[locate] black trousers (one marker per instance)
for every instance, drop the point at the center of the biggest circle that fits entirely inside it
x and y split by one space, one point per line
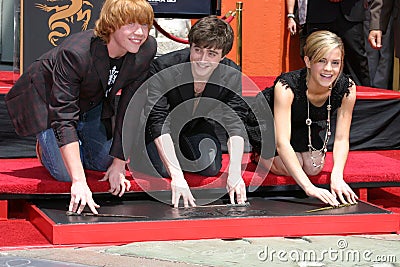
199 153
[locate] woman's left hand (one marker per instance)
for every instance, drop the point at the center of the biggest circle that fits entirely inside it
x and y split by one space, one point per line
341 190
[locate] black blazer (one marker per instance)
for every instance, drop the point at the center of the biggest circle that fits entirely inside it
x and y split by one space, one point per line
169 107
324 11
71 79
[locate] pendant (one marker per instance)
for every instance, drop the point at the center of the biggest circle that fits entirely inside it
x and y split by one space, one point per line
308 121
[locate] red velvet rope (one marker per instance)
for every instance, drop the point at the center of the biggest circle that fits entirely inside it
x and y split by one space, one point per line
168 35
230 18
227 18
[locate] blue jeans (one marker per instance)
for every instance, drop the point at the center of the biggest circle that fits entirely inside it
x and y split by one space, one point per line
200 153
93 144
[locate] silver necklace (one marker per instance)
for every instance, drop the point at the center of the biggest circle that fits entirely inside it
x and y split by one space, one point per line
311 148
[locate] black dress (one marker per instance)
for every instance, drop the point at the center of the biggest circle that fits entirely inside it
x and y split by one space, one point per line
295 81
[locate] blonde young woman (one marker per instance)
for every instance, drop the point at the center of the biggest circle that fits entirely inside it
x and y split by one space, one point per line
302 103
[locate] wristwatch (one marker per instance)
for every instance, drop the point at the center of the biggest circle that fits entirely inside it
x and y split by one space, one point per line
290 16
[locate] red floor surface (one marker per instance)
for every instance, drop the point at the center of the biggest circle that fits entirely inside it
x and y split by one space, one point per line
20 233
27 176
7 80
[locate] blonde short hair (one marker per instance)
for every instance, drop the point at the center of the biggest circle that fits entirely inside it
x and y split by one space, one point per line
116 13
319 43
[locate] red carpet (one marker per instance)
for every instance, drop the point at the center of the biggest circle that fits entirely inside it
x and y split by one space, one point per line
7 79
20 233
386 197
27 176
252 85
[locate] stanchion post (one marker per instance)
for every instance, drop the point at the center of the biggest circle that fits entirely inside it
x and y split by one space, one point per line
396 74
239 8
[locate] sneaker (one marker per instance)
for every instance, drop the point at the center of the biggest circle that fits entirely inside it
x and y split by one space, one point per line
39 152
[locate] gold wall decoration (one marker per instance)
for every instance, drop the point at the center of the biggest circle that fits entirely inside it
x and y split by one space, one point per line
64 15
45 24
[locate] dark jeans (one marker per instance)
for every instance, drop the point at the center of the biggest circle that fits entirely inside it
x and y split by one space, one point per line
93 144
200 153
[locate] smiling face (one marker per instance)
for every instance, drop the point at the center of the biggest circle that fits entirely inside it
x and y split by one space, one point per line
128 38
324 72
204 61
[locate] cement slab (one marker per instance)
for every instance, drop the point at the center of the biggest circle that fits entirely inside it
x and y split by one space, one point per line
340 251
332 251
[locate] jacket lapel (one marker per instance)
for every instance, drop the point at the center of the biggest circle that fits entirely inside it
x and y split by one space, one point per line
213 87
213 90
124 77
185 80
101 60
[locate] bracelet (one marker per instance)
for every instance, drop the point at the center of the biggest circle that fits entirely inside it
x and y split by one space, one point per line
290 16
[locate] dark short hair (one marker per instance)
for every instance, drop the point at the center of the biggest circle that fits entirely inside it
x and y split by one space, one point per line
212 32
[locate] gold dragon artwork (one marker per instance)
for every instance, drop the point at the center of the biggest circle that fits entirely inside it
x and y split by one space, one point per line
64 15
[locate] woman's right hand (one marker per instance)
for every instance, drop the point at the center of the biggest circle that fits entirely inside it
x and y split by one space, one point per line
322 194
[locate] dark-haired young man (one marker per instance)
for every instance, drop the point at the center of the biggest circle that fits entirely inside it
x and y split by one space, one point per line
185 87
